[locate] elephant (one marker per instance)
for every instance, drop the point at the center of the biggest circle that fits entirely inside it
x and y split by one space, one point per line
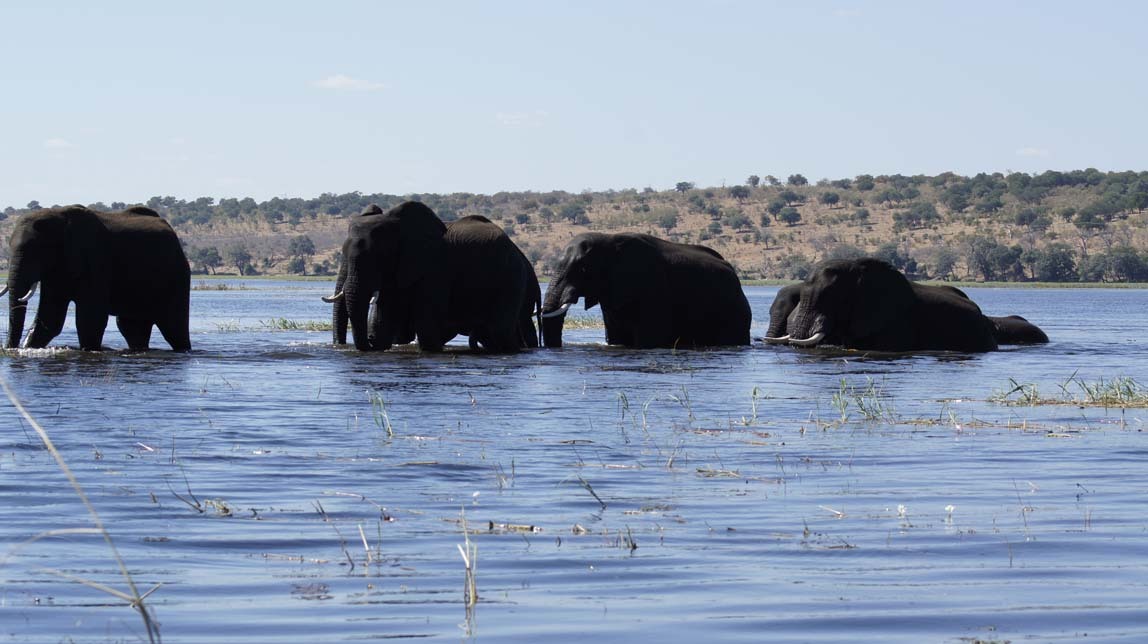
1013 329
866 303
653 292
494 292
400 255
432 282
129 264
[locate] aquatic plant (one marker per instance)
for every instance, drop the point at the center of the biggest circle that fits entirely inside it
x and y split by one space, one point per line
379 412
283 324
218 286
1121 392
469 554
871 401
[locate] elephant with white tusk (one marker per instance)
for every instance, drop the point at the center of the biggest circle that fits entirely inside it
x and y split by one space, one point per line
128 264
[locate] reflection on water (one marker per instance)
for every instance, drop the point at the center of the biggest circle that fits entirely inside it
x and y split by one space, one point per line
281 489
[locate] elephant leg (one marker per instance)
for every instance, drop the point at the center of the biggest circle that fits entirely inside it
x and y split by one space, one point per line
176 333
49 321
136 331
91 321
619 328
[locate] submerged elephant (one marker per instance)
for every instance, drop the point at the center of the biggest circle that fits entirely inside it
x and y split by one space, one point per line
406 276
868 304
494 291
1013 329
128 264
653 292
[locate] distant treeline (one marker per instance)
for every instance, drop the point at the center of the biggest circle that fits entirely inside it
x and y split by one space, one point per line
1082 225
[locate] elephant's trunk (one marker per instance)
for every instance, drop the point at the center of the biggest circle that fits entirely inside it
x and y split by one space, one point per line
552 330
776 330
559 296
18 293
806 327
339 307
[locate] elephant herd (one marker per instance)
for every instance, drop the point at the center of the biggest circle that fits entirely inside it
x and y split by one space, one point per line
407 276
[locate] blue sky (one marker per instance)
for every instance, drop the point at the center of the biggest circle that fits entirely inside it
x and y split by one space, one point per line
120 101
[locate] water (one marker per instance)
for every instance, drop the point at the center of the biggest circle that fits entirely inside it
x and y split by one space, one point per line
679 496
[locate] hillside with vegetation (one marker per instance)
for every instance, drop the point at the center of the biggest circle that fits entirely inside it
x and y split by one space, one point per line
1078 226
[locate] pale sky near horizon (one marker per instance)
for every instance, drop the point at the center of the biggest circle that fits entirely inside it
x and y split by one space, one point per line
121 101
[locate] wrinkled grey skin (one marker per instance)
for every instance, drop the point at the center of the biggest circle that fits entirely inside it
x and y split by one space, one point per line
653 292
128 264
400 255
868 304
494 290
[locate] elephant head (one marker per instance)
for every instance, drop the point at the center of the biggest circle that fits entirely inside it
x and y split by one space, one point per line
583 272
852 303
783 304
395 260
59 250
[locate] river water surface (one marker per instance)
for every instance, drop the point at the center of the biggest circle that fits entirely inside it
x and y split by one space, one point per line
277 488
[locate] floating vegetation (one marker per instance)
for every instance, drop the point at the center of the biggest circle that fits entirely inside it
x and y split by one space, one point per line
218 286
871 402
586 322
1122 391
283 324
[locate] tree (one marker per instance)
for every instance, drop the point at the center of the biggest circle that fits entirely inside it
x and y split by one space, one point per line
207 258
790 197
797 180
739 192
789 215
921 213
301 246
775 206
753 181
772 180
34 205
861 214
944 260
794 266
668 219
890 253
1126 264
574 213
237 255
864 182
1055 264
829 198
684 186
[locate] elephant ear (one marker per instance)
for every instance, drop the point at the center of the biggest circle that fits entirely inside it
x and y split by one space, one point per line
637 275
883 300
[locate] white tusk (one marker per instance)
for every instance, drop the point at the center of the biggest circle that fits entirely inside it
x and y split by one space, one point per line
782 340
334 298
31 292
808 342
558 311
374 299
5 291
